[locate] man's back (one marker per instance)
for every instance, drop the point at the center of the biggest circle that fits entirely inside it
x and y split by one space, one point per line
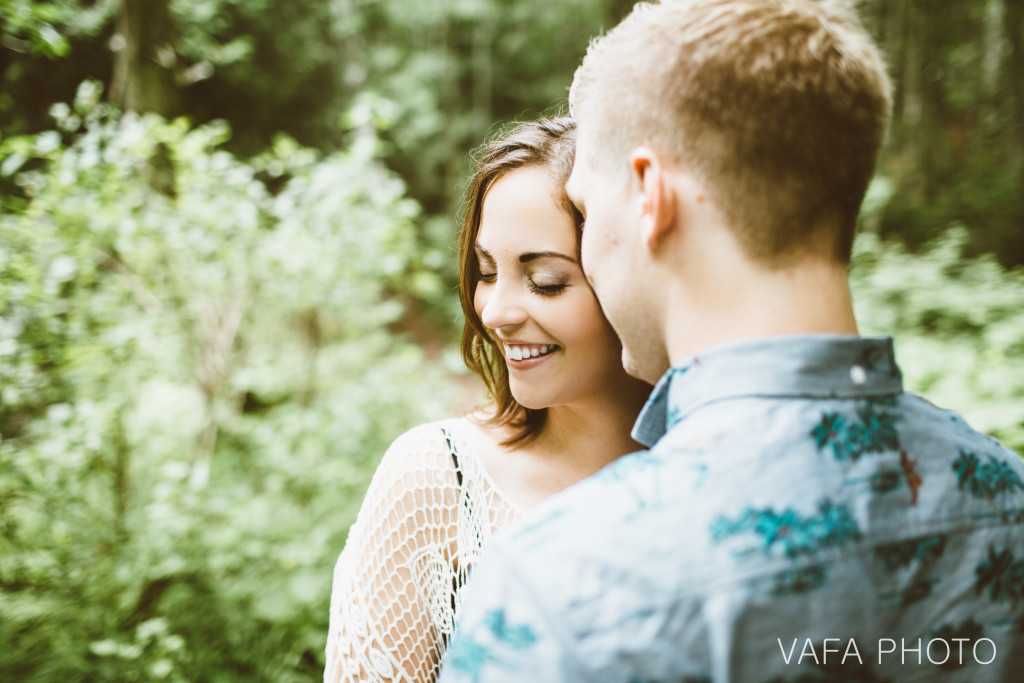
799 518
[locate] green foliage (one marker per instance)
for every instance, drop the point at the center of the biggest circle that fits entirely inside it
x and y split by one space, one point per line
957 323
33 25
199 369
453 70
449 72
196 380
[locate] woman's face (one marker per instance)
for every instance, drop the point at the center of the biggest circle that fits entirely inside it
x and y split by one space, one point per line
533 297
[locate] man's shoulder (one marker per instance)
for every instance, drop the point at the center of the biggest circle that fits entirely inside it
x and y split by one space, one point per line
882 509
610 502
769 497
901 450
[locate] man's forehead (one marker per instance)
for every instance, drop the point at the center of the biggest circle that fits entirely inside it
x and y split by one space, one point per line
584 141
576 185
573 180
580 167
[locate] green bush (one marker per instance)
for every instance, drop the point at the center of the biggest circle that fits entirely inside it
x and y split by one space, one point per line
197 378
958 324
199 370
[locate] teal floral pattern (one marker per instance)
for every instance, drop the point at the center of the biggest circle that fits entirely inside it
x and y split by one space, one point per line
885 480
469 656
798 581
900 554
873 431
517 637
1002 574
985 479
791 532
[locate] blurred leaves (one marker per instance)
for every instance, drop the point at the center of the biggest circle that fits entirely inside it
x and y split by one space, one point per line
956 319
199 372
196 380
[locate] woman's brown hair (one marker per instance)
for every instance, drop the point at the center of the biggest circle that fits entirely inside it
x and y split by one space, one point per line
551 144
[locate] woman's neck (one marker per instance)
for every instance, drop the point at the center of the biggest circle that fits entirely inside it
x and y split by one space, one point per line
576 441
587 435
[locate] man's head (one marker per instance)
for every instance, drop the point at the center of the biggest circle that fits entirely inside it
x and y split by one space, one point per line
776 109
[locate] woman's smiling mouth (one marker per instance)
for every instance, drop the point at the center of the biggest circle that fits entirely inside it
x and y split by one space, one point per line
520 352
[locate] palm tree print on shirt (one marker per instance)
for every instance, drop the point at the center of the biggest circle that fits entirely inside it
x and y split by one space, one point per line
901 553
873 431
985 480
471 656
789 531
1002 574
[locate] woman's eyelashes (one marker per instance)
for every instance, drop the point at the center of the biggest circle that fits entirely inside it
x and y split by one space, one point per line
545 289
547 285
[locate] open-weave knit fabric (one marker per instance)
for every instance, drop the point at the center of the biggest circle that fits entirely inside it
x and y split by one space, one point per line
397 583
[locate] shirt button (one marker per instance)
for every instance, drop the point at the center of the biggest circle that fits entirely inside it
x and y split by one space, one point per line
858 375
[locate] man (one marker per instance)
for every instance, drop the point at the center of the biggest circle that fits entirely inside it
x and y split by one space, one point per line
799 516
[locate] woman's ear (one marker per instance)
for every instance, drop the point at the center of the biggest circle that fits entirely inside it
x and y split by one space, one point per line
657 196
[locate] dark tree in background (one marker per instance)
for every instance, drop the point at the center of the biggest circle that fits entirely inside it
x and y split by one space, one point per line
144 59
958 127
437 76
1014 26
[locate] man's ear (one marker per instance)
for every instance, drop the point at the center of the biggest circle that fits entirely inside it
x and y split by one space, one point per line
657 196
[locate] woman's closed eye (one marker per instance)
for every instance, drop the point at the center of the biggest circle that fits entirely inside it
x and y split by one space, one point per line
547 286
485 277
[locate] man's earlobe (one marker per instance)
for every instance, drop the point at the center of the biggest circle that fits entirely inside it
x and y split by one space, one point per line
657 196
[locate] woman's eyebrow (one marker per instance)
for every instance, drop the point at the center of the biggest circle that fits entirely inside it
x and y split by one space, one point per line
530 256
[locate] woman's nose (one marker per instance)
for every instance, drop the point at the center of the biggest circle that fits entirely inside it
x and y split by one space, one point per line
502 307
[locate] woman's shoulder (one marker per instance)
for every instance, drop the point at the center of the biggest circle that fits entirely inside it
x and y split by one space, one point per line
426 448
429 437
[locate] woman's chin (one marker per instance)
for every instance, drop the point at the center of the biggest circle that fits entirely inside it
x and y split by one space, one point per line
529 400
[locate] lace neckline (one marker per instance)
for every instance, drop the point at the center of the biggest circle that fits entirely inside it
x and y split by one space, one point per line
463 432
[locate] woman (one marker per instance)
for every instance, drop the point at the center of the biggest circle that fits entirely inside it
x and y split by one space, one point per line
561 408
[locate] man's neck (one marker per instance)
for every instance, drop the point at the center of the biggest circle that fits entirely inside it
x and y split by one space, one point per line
812 297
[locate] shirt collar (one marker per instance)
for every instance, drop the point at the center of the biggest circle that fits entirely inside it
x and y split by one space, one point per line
805 366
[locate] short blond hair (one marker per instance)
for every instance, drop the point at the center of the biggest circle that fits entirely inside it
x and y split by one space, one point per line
778 106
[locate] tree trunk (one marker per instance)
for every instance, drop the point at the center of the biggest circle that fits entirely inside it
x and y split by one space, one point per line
483 39
143 79
450 101
895 40
927 72
1014 22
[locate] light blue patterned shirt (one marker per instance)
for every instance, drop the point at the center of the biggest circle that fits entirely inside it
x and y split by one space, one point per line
799 517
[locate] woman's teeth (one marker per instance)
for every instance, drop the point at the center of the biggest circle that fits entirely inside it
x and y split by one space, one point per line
522 352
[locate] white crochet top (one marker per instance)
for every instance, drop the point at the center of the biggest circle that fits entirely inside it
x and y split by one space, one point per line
397 583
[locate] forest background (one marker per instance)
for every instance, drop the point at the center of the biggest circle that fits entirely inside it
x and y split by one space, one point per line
227 283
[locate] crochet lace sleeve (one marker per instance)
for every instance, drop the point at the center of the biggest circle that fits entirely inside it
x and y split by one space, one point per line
390 602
